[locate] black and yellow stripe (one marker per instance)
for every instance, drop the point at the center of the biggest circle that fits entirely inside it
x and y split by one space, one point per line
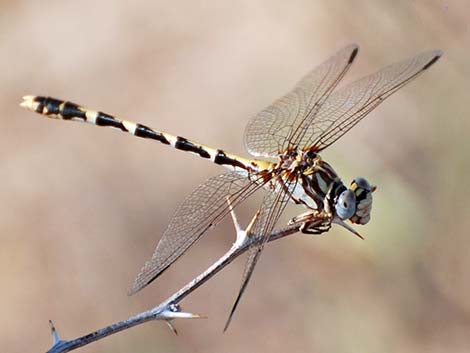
59 109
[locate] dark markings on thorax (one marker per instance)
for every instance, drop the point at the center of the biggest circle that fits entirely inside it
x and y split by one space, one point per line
317 184
184 145
313 190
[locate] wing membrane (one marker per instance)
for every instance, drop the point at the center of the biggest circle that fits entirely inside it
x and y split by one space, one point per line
350 104
271 209
285 120
202 209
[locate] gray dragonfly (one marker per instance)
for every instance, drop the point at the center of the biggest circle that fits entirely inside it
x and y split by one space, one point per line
286 139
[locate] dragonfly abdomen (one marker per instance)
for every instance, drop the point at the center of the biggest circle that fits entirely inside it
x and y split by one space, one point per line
64 110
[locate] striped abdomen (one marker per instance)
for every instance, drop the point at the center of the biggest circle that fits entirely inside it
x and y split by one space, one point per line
59 109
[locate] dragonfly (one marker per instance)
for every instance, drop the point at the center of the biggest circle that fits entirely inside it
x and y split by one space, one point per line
286 140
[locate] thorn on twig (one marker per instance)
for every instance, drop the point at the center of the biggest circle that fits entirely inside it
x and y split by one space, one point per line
252 223
172 327
242 234
55 335
173 311
238 228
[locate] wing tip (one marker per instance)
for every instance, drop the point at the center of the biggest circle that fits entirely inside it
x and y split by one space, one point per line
351 50
230 316
437 54
355 50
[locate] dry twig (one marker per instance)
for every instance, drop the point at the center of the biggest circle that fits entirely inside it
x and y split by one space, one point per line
169 309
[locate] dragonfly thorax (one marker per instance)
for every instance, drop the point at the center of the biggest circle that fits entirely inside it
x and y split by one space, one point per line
298 162
319 188
314 177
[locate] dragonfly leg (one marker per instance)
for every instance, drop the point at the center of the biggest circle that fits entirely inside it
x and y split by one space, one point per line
315 227
313 222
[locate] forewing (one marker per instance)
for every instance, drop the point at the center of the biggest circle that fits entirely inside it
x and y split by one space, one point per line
202 209
347 106
271 209
269 132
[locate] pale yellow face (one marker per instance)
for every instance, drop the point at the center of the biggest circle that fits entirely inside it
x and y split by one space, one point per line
363 191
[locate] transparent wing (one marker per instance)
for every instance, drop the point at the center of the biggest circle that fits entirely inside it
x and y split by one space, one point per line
271 209
269 132
202 209
347 106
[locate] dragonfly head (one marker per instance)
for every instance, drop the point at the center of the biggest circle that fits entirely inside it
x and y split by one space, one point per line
346 204
355 203
363 194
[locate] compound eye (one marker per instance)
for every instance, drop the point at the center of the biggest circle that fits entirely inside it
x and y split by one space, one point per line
346 204
361 183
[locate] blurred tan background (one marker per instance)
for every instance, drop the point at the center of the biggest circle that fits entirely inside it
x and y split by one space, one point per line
82 208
